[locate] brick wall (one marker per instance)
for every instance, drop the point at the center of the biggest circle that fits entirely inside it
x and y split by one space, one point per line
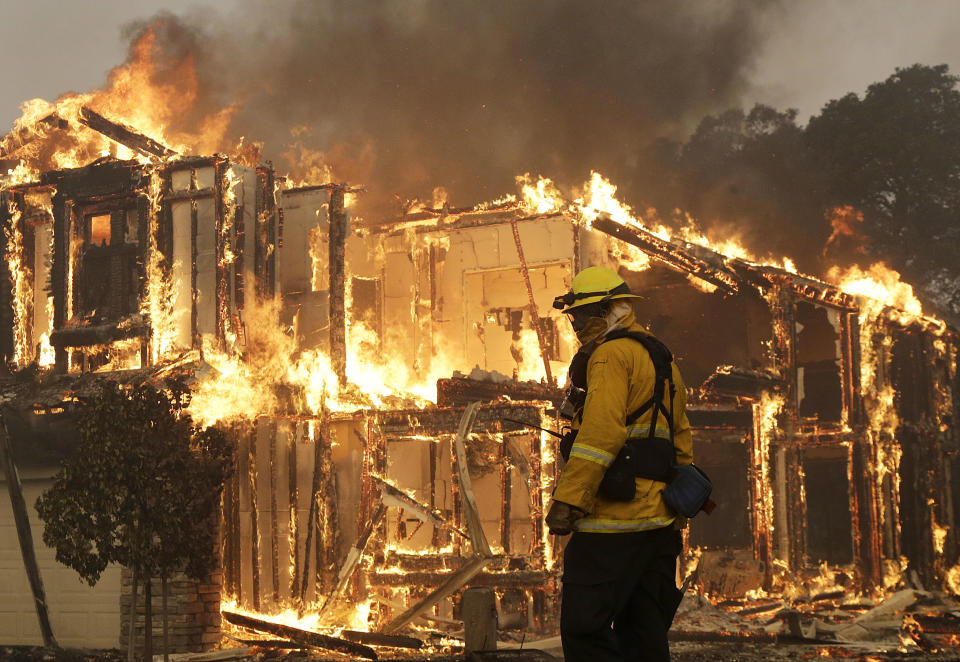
193 607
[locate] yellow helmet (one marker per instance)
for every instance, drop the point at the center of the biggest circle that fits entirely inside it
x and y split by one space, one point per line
592 285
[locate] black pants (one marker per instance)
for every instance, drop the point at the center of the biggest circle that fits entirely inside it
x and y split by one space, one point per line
619 596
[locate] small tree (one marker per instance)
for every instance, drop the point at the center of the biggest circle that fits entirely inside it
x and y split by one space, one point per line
142 490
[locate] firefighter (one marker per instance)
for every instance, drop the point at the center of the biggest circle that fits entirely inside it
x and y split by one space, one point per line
619 591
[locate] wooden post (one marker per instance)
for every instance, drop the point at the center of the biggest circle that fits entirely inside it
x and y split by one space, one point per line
328 536
337 287
22 520
506 495
478 538
274 536
479 611
455 581
353 557
294 499
254 519
534 317
59 273
311 517
222 246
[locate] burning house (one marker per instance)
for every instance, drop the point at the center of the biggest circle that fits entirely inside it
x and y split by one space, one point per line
380 380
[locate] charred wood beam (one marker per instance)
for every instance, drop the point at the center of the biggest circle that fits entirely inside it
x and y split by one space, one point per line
329 532
223 229
298 636
722 418
337 284
946 623
236 556
459 391
353 557
274 515
312 527
293 503
199 194
468 500
506 496
534 316
433 618
394 497
380 639
403 423
254 518
739 382
124 135
536 495
511 579
670 254
453 582
59 270
85 336
765 277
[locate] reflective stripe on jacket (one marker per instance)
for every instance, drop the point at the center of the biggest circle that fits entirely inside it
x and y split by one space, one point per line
620 378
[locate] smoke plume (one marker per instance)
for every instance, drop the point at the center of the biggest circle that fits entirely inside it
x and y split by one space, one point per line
404 95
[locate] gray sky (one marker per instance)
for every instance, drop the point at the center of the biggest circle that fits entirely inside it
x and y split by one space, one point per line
817 50
814 50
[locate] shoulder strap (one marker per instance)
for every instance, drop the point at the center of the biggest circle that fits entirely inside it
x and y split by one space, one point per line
663 369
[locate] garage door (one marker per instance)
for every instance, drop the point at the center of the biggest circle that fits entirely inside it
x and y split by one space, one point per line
81 616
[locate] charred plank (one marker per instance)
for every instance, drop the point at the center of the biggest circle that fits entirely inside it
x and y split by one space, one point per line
380 639
459 391
85 336
672 255
298 636
124 134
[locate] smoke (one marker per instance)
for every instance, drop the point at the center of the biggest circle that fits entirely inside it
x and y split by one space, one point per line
403 95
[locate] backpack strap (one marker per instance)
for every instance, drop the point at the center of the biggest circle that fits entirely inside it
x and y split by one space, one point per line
663 370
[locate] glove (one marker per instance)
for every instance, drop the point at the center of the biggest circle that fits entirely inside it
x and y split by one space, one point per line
561 518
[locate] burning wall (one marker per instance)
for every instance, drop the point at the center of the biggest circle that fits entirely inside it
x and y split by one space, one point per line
825 416
127 264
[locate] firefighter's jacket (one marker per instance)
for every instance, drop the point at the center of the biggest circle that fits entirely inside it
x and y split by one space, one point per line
620 378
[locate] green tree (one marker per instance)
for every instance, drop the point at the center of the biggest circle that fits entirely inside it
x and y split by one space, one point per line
894 154
750 175
143 489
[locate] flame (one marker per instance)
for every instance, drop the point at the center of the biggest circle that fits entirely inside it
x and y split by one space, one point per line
241 379
540 196
526 349
151 91
597 197
20 273
160 298
953 579
939 533
765 414
880 283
